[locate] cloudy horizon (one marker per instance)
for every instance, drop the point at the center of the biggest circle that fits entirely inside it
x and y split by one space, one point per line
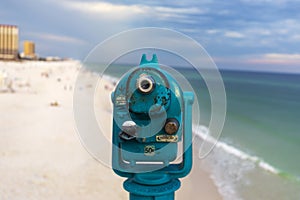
238 34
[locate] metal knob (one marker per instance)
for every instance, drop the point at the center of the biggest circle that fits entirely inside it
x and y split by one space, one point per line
129 127
171 126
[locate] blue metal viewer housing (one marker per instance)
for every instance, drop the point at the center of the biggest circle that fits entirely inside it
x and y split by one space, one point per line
152 123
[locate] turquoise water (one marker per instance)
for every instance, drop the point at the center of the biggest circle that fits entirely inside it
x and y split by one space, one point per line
262 122
263 116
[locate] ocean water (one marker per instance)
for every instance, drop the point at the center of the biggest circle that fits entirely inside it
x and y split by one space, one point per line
258 154
261 136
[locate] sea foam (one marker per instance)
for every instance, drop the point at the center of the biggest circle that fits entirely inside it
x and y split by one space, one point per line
203 133
228 165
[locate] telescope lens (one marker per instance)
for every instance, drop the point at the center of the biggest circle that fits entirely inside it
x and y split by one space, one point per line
145 84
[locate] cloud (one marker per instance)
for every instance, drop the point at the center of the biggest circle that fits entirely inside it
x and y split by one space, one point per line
296 37
233 34
56 38
275 62
278 2
124 12
277 58
270 62
187 10
212 31
113 11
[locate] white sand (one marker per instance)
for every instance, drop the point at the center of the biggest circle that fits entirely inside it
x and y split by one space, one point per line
41 156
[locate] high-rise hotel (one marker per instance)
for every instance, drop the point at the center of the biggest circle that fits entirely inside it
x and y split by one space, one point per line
9 42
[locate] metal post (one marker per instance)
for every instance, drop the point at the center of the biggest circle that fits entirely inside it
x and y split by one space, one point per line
142 191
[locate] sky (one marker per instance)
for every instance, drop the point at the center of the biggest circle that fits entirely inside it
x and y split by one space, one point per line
238 34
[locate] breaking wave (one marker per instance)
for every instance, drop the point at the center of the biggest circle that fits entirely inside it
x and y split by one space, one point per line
229 165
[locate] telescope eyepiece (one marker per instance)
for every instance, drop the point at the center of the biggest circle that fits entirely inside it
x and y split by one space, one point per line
145 84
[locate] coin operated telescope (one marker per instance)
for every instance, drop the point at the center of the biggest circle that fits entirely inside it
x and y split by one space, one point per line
152 122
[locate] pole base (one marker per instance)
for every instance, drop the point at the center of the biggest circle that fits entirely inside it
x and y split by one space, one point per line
140 191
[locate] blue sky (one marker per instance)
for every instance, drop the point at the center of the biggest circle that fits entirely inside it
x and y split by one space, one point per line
244 34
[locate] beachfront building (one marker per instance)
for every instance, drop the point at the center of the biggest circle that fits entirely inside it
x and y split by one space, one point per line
29 49
9 42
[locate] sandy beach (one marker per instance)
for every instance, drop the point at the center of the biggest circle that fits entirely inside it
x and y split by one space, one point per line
41 156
